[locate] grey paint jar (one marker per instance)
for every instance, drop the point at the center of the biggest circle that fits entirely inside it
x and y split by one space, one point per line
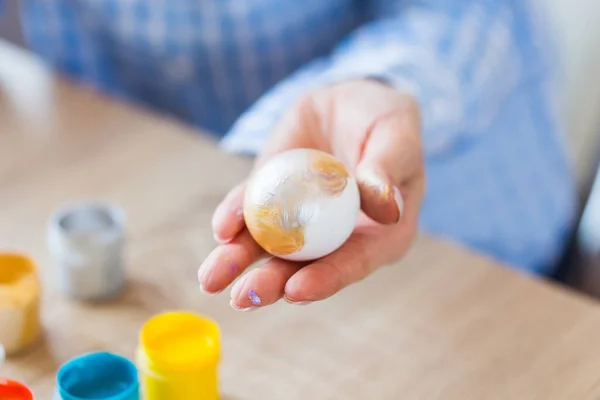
87 243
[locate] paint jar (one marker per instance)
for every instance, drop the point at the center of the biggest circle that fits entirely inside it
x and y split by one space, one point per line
11 390
99 376
87 242
20 292
178 356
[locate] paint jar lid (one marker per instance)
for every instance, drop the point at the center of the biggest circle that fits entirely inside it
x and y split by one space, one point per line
18 279
87 242
101 376
85 227
179 342
13 390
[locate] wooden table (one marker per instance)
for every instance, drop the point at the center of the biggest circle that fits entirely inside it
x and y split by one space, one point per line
442 324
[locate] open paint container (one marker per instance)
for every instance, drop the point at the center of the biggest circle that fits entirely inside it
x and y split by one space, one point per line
177 356
20 293
87 242
12 390
98 376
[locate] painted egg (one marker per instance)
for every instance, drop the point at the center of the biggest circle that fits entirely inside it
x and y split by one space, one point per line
301 205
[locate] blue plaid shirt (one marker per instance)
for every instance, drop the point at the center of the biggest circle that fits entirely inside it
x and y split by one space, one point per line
498 178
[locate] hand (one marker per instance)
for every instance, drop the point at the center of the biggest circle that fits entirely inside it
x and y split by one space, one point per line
375 131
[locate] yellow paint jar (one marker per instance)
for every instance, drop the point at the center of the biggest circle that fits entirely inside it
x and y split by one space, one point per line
178 356
20 294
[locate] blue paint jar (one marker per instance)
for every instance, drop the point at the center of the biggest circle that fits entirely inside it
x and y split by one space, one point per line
98 376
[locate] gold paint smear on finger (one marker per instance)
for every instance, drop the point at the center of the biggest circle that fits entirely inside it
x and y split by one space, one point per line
377 186
331 174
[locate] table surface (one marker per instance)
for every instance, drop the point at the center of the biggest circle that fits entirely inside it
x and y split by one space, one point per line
442 324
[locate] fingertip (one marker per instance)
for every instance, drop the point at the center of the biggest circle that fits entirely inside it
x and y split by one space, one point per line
227 222
296 303
228 218
380 200
313 283
221 240
262 286
399 200
226 262
207 284
248 293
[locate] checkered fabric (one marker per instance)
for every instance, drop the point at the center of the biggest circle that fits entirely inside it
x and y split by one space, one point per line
498 178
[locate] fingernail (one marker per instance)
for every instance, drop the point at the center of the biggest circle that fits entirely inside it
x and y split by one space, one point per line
237 288
297 303
371 179
239 212
378 188
203 290
206 269
221 240
238 293
399 202
220 216
235 307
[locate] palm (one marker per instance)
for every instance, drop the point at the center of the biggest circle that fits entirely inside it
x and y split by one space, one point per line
356 123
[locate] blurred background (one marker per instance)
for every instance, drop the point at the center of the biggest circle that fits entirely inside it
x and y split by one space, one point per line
578 33
578 38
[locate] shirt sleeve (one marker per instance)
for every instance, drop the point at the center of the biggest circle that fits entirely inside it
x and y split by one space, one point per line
460 59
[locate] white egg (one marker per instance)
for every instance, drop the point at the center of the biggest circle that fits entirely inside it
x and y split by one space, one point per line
301 205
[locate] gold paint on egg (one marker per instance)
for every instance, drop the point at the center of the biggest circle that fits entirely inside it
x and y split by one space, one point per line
267 227
278 224
332 175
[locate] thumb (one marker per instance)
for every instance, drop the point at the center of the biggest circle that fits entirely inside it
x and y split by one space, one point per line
390 162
